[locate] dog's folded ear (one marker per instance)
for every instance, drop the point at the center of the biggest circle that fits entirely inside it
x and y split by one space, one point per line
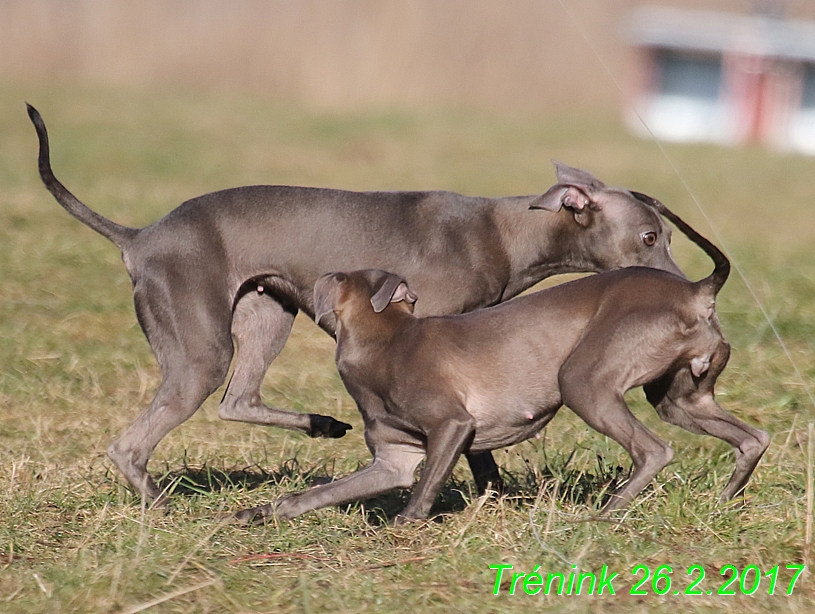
561 195
393 289
572 190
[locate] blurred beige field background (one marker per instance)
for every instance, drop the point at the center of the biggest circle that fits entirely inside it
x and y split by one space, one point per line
146 109
341 54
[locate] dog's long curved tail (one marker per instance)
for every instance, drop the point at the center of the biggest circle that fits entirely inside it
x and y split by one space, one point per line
118 234
721 265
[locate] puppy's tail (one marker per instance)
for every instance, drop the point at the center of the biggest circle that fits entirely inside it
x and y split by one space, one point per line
721 265
118 234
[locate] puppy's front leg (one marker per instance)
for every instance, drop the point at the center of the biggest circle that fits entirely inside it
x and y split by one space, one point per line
445 443
485 473
393 467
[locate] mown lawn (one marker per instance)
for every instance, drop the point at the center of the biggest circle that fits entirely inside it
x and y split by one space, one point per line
75 370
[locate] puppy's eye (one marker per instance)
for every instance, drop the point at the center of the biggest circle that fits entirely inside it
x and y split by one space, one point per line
649 238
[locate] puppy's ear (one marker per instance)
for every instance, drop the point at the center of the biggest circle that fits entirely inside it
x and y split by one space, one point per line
325 295
403 293
394 288
561 195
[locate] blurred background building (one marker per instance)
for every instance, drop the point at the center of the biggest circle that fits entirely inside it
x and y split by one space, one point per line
728 71
724 77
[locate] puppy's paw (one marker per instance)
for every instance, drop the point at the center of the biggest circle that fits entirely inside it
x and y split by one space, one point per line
401 521
254 515
161 504
326 426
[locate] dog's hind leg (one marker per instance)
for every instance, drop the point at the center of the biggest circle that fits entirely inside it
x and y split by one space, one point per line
261 325
685 401
194 349
181 393
610 416
598 399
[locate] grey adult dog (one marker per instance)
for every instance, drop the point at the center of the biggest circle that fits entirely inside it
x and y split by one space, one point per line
475 382
240 263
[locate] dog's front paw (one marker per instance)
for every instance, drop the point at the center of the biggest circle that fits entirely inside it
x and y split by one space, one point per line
254 515
401 520
326 426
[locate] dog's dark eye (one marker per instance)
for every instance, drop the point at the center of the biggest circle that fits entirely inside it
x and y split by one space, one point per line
649 238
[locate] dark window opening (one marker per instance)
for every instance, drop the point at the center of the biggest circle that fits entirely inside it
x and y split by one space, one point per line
693 76
808 93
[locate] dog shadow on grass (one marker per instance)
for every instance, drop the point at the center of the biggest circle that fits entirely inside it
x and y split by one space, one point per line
576 486
190 481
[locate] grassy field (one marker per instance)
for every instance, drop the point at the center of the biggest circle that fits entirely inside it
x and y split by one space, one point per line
75 370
